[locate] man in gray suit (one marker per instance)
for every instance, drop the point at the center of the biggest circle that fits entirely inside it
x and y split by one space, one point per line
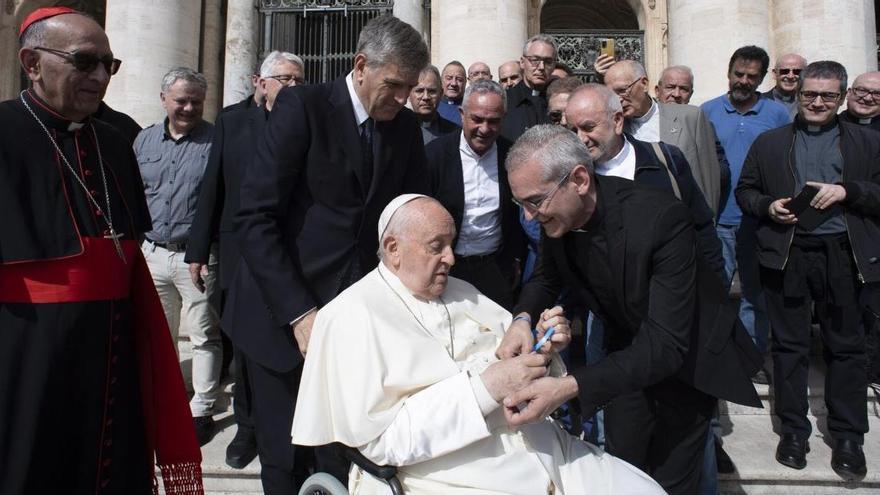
683 126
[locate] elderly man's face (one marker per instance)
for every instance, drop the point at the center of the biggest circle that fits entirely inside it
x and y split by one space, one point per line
743 80
632 90
184 103
509 74
819 100
556 108
382 89
675 86
426 95
478 71
788 72
71 92
453 82
602 134
284 74
423 255
537 64
863 98
481 121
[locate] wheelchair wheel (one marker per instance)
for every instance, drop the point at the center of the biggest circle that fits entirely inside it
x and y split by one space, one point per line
322 484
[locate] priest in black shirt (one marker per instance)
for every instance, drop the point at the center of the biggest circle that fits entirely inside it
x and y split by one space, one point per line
674 341
863 101
90 388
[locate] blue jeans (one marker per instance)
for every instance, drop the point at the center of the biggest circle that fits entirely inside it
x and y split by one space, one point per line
740 250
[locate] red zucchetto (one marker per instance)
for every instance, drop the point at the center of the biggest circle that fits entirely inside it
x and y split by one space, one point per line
44 13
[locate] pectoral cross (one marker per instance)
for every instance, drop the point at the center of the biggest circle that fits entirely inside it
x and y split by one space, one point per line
115 237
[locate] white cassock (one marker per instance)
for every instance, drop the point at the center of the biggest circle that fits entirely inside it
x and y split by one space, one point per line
379 376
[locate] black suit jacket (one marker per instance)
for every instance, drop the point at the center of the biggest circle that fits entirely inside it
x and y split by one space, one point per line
447 186
305 226
523 111
679 323
235 140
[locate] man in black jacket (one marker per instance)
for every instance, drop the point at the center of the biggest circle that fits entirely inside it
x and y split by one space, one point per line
330 158
527 101
825 252
674 341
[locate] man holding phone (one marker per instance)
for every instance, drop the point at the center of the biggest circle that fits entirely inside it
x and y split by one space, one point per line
819 249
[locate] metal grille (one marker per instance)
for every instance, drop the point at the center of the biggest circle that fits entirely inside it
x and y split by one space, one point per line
579 49
323 33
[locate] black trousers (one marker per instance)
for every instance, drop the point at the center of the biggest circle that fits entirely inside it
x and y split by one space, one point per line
486 273
843 338
273 394
662 431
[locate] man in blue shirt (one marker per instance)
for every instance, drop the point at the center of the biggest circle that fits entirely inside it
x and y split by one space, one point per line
453 81
739 117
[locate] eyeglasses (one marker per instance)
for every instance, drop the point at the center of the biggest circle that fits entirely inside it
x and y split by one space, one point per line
555 116
285 79
85 62
536 205
863 92
827 96
622 92
785 72
535 60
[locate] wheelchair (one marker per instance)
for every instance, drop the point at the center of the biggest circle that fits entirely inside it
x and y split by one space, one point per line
326 484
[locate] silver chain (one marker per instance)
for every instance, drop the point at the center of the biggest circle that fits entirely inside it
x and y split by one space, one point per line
106 216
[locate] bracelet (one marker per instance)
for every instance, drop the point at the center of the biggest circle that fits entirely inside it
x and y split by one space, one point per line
525 318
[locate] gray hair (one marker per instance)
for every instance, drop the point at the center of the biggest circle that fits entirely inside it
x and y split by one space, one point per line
273 59
186 74
635 68
388 40
484 87
681 68
431 69
557 149
612 101
542 38
824 69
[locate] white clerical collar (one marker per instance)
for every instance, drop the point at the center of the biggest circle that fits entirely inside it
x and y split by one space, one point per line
865 121
360 113
464 147
397 286
814 128
75 126
619 158
650 113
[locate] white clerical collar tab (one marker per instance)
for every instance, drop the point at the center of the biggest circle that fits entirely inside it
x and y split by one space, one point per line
814 128
75 126
865 121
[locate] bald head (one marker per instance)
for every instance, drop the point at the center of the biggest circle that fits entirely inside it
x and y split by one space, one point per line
509 74
595 114
787 72
861 101
629 81
479 71
74 91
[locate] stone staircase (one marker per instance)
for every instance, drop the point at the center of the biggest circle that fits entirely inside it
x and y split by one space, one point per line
749 438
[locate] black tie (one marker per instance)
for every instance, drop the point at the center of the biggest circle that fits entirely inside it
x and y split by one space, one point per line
367 153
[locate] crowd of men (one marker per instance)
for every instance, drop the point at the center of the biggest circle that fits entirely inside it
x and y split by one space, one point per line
503 209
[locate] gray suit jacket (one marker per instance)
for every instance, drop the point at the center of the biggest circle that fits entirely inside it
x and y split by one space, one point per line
685 127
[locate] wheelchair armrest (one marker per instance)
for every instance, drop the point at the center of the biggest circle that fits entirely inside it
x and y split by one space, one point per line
355 456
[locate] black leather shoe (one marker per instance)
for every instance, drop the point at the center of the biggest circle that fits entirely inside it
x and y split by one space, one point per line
848 460
204 429
242 449
722 460
792 451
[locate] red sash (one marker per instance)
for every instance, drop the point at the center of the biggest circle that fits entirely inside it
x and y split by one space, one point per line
99 274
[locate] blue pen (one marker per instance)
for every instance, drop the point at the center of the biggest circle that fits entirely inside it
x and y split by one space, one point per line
544 339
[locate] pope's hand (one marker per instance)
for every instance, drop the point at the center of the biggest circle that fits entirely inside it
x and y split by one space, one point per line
555 318
502 378
538 399
302 331
517 340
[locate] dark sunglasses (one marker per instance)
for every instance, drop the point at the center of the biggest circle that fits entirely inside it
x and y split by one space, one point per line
785 72
85 62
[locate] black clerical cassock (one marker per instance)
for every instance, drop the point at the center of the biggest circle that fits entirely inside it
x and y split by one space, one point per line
90 387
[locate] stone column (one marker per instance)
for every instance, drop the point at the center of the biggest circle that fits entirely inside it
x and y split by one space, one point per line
12 12
492 31
150 38
242 50
413 13
703 35
212 56
825 29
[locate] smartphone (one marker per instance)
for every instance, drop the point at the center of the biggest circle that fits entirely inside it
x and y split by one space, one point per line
607 45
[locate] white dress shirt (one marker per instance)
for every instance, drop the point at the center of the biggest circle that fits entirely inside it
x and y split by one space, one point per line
647 127
622 165
480 231
360 113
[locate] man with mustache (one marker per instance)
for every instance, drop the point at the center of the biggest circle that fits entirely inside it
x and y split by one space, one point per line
787 73
739 117
424 99
527 100
454 81
467 176
172 156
